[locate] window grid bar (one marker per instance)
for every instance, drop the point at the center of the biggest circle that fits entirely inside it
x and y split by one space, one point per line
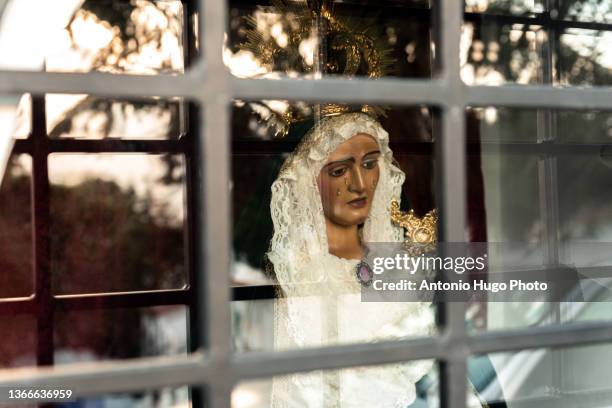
547 174
109 377
243 147
356 90
199 368
452 199
539 19
214 253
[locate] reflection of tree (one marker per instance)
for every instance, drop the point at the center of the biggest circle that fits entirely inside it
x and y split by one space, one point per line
583 67
97 227
15 235
114 114
146 38
586 10
103 238
513 53
141 28
583 178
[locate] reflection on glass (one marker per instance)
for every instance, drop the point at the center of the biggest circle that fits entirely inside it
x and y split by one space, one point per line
572 175
585 57
18 345
565 378
509 212
90 117
511 192
16 276
286 41
137 37
493 54
596 11
252 177
253 325
518 7
500 124
584 202
584 126
116 212
509 179
103 334
108 334
407 384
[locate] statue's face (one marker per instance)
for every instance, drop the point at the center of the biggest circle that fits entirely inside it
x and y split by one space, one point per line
347 181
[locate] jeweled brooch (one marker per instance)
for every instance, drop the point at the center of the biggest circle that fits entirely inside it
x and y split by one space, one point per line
364 274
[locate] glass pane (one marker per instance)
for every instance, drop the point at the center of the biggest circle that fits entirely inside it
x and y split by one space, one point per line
503 193
253 325
108 334
407 384
564 378
18 345
503 183
584 205
545 199
516 7
585 127
117 212
90 117
499 125
494 54
137 37
596 11
583 188
585 57
252 178
372 38
140 36
17 276
511 190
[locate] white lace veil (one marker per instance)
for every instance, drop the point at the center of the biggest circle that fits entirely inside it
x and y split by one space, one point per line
300 240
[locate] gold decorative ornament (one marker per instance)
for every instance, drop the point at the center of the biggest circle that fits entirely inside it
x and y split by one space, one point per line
342 46
417 230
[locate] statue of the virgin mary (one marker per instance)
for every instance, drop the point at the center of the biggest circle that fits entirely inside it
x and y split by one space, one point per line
332 197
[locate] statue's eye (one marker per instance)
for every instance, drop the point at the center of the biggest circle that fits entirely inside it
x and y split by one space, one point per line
370 164
337 172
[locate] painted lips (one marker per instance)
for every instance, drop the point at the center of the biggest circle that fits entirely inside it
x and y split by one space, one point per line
358 202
